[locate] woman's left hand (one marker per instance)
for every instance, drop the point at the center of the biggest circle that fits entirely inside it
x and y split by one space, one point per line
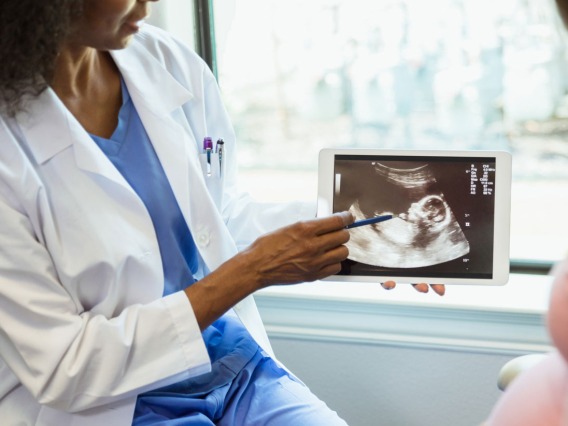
439 289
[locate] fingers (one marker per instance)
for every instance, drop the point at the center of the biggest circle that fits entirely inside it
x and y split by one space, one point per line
333 239
304 251
421 287
331 223
329 237
439 289
346 217
328 270
330 231
330 263
327 229
321 266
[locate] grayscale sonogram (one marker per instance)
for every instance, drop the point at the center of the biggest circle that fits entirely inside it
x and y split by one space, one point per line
424 230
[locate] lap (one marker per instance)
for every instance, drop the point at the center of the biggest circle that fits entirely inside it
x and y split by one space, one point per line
262 394
271 396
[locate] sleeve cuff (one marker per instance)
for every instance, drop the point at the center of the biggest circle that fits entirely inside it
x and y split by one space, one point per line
189 333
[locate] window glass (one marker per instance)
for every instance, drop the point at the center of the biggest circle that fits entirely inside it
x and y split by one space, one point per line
176 17
298 76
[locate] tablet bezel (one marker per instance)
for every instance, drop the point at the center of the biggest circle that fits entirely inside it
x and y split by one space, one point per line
502 190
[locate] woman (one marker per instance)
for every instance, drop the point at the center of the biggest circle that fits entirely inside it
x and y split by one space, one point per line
125 268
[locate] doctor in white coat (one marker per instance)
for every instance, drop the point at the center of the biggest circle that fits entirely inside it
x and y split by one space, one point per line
84 328
84 324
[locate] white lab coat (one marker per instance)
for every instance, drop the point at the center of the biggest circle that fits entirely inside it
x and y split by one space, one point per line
83 324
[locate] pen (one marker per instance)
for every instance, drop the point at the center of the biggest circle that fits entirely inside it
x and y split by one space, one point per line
219 148
207 148
207 143
208 152
375 219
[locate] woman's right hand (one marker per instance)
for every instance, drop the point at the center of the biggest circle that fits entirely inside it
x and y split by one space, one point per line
305 251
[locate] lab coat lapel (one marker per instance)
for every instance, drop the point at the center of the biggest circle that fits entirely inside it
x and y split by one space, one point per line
158 98
156 94
49 129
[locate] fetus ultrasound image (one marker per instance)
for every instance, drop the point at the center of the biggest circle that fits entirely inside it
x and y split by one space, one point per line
443 215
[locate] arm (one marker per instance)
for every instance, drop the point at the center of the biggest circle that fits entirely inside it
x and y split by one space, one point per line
69 354
305 251
246 217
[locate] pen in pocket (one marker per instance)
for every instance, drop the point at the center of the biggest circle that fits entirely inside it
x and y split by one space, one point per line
208 148
220 150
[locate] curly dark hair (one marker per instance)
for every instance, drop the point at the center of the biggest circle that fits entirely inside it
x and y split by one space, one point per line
31 33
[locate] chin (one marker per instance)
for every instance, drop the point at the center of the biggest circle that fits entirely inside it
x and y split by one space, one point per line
124 43
118 43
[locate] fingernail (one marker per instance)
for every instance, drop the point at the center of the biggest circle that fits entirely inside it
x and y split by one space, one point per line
422 287
346 216
439 289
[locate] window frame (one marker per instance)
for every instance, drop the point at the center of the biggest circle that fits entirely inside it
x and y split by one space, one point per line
205 33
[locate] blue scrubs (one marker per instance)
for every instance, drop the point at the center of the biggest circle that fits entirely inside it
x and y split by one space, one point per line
245 386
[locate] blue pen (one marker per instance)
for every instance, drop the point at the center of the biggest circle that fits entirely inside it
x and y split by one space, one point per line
370 221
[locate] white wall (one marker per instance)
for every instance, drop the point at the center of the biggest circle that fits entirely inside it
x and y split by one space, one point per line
404 359
372 385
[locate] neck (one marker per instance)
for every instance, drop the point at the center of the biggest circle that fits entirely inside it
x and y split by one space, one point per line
88 82
78 70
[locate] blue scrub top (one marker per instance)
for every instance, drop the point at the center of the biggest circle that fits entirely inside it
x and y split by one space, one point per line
229 344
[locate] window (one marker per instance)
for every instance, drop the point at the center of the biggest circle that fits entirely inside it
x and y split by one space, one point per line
175 16
298 76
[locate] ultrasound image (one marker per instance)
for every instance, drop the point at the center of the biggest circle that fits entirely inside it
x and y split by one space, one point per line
424 230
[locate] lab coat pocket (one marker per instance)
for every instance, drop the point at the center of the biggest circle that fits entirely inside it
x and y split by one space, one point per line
213 170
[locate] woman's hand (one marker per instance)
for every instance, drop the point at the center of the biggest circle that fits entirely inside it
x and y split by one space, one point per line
439 289
309 251
305 251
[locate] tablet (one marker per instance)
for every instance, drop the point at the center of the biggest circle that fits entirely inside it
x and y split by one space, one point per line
450 214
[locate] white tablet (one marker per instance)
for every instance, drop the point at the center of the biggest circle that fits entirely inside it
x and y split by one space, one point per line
450 214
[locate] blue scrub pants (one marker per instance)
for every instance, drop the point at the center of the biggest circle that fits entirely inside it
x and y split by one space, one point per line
261 394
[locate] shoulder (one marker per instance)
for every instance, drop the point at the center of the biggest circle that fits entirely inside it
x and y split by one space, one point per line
174 56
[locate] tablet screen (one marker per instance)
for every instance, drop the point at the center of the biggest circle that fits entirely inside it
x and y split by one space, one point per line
444 215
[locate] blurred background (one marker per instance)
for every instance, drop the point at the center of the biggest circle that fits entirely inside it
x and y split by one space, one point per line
299 76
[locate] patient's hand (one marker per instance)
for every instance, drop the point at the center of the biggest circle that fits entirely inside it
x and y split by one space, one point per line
439 289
